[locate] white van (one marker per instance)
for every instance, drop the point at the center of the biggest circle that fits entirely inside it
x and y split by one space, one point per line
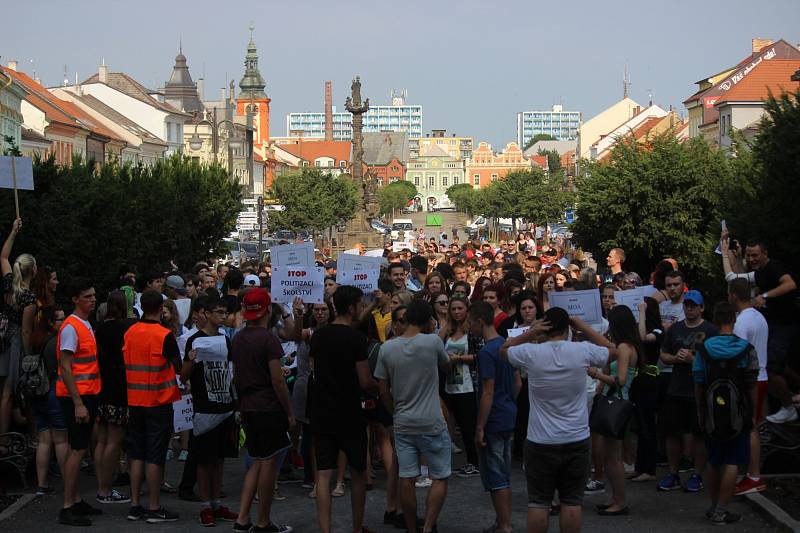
402 224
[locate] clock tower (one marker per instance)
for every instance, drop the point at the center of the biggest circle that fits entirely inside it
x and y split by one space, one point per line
253 98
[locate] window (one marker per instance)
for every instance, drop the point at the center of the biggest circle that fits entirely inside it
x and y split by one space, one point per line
317 163
431 181
477 180
494 177
305 163
456 180
343 164
416 181
444 181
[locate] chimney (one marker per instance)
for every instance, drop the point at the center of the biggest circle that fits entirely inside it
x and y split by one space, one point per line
12 65
758 44
328 110
102 72
201 85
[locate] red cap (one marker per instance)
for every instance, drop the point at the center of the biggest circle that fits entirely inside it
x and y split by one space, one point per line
255 303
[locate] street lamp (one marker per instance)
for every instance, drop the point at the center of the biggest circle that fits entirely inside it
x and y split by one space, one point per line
196 142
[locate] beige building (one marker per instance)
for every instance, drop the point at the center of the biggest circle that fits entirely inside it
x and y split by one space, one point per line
593 129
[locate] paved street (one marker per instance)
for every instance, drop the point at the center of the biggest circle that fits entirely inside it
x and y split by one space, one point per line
467 509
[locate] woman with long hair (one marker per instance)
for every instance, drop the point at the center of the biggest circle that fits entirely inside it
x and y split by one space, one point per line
480 285
546 285
461 287
400 298
436 284
495 295
645 391
440 304
45 286
171 320
459 389
112 409
19 311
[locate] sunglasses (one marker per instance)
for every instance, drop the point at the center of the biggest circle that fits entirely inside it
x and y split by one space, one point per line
442 302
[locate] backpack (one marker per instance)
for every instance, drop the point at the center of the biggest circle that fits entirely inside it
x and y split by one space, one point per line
33 379
728 411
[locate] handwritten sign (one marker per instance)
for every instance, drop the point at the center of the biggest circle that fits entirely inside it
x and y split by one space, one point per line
366 280
182 414
631 299
290 282
292 254
352 263
516 332
22 169
582 304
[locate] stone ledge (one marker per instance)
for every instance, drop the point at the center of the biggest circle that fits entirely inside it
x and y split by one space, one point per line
775 513
23 500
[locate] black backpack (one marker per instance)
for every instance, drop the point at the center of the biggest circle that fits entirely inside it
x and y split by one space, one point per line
33 380
728 409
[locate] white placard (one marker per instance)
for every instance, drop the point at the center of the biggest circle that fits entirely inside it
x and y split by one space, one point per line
213 348
648 290
366 280
582 304
353 251
184 306
353 262
399 246
182 414
292 254
22 167
292 282
374 253
516 332
631 299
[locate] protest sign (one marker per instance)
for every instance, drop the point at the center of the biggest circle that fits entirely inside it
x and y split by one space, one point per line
213 348
184 306
631 299
352 262
649 290
16 173
292 282
292 254
582 304
182 414
399 246
366 280
516 332
374 253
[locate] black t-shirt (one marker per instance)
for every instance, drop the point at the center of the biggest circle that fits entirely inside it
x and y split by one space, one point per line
652 350
336 396
210 381
252 349
780 310
682 336
110 337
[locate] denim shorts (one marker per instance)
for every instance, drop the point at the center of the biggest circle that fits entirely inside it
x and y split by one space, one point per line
48 412
435 449
495 460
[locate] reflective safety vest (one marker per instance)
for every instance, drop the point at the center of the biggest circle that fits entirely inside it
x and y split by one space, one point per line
151 378
85 370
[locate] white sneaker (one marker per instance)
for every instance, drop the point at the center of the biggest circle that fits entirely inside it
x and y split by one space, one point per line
423 482
784 414
628 468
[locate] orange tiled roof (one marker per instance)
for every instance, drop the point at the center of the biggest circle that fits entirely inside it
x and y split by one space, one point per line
645 127
771 76
309 151
539 160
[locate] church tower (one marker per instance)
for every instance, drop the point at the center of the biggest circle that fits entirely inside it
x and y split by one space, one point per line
180 91
252 94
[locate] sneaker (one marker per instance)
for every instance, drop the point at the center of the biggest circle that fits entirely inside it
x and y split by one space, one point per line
629 469
277 496
166 488
423 482
183 456
85 509
41 491
670 482
290 476
307 485
313 493
784 414
594 486
455 448
243 527
338 491
694 484
114 496
207 517
723 518
468 470
225 514
69 517
274 528
170 454
400 521
748 486
136 512
686 465
160 515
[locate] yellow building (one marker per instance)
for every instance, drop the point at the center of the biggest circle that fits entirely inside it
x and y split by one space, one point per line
456 147
593 129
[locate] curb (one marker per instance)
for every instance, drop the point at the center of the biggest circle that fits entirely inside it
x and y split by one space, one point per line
23 500
775 513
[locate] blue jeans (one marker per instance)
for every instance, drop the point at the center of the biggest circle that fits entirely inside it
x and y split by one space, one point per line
495 460
435 448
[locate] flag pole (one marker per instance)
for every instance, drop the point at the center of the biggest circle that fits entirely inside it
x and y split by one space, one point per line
14 177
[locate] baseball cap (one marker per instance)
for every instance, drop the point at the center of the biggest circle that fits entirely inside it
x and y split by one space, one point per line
694 296
174 281
563 262
252 279
255 303
330 264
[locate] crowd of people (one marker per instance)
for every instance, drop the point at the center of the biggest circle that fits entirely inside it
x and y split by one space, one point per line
458 354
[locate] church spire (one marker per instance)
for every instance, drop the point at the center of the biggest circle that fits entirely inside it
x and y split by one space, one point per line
252 84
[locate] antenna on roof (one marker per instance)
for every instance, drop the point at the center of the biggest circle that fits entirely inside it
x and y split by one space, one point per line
650 95
626 82
66 79
180 43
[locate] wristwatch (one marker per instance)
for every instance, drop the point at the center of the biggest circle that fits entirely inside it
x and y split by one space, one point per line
764 295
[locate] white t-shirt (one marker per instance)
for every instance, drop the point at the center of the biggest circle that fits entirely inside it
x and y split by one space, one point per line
670 314
752 327
557 388
69 337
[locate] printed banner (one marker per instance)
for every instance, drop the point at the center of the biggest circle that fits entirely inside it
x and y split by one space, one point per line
582 304
631 299
182 414
352 262
292 282
292 254
22 168
366 280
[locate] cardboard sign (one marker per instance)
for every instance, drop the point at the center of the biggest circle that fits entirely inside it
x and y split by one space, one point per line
648 290
182 414
366 280
292 254
211 348
399 246
184 307
516 332
582 304
374 253
631 299
352 262
21 167
293 282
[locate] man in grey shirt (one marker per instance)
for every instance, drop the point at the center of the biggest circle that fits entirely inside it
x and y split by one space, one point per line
407 372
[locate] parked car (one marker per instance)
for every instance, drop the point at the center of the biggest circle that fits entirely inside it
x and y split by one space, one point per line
402 224
284 235
380 226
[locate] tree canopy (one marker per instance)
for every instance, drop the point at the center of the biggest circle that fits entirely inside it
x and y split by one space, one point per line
313 200
395 196
462 196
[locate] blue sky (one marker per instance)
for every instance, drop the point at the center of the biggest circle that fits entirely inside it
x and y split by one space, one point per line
472 65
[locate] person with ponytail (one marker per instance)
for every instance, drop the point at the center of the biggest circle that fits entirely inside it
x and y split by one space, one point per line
16 326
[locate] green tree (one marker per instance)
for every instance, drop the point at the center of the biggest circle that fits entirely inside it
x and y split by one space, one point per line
313 200
463 196
536 138
395 196
553 160
12 149
655 200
